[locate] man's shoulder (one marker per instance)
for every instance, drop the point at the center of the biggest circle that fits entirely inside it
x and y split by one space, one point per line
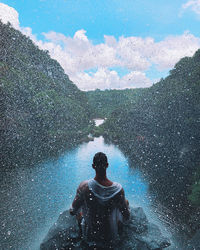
83 185
119 188
118 185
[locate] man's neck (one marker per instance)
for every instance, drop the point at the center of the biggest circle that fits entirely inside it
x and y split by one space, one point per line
103 180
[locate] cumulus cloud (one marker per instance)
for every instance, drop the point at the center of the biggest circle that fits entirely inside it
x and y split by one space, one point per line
194 5
166 53
77 54
104 78
82 54
9 14
90 65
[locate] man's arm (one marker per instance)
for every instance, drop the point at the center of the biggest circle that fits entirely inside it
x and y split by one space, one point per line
79 199
124 206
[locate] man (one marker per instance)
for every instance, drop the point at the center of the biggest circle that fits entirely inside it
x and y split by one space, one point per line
100 205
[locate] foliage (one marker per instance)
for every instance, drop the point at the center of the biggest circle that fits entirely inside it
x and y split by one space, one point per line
41 109
103 103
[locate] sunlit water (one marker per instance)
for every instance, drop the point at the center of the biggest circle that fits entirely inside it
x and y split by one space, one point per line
31 199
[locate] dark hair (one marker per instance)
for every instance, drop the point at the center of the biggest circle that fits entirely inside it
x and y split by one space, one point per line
100 161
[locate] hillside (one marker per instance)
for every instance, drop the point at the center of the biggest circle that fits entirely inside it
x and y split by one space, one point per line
42 111
160 134
103 103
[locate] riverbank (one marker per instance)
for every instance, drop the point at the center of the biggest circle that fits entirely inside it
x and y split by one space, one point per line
25 154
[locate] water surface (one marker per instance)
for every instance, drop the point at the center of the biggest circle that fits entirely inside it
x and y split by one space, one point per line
32 199
99 121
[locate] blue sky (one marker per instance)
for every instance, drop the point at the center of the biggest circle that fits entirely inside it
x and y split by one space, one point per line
106 17
158 20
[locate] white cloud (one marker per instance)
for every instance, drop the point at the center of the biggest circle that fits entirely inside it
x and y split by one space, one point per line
80 35
78 52
109 79
135 79
194 5
166 53
9 14
78 55
136 54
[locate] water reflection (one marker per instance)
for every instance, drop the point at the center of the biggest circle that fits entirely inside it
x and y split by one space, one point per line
98 122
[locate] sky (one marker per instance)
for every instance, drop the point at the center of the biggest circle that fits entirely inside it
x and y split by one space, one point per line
110 44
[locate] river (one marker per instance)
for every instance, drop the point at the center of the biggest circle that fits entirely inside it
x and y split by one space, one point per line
33 198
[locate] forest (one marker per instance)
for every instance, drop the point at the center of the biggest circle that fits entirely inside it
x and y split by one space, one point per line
104 102
42 111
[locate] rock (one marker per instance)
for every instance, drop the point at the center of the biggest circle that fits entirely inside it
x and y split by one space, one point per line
63 234
138 234
138 220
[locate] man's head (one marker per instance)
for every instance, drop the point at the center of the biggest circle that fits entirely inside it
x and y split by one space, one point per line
100 162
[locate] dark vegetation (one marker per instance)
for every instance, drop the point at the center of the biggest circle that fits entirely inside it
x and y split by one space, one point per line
159 132
41 110
103 103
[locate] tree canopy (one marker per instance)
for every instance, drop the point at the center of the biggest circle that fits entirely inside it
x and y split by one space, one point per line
41 109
